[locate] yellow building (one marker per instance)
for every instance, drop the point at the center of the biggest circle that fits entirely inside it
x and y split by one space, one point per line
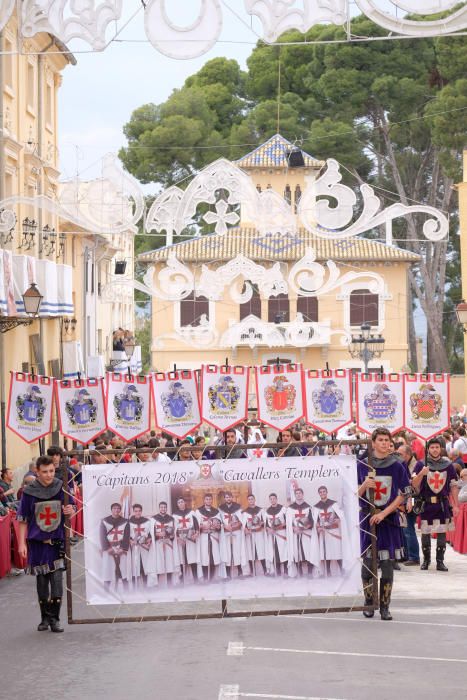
370 285
70 265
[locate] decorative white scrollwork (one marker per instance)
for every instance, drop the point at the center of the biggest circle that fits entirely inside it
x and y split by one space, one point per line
209 186
455 22
252 331
7 220
274 214
202 336
213 281
336 222
111 204
163 212
6 9
221 217
308 277
70 19
278 16
183 42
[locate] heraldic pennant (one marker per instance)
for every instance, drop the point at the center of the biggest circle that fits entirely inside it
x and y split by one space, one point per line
383 490
48 515
437 480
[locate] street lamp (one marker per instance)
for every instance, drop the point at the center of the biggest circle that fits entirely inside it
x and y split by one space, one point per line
32 299
461 313
366 346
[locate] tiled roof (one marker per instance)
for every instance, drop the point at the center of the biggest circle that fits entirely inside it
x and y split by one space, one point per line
274 154
276 247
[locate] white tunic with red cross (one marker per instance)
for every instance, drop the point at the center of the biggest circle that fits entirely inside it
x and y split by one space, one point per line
187 537
141 547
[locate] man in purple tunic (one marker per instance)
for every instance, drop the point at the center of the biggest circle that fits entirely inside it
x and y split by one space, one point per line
435 481
388 479
41 515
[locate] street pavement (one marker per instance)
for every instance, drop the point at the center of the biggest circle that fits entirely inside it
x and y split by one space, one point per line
420 655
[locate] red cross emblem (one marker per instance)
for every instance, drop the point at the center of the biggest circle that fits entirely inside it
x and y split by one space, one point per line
437 480
325 514
228 517
300 514
139 529
183 522
258 452
380 490
159 525
116 534
48 516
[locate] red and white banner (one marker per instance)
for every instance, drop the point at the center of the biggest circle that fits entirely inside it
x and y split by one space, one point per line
328 399
426 404
128 406
29 413
380 402
81 409
224 395
176 402
279 391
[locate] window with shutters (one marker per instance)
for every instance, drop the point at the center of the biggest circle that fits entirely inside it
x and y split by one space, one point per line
279 309
192 308
252 307
288 194
364 308
308 306
298 196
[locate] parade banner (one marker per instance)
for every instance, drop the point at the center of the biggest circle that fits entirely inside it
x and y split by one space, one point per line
176 402
128 405
380 402
279 392
426 404
81 408
213 530
328 399
224 395
29 412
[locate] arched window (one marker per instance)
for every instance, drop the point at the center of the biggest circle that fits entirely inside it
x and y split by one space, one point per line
279 309
308 306
364 308
192 308
252 307
288 194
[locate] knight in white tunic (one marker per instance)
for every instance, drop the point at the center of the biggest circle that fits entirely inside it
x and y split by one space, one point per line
231 516
166 555
255 535
141 546
187 539
329 520
211 539
277 553
301 537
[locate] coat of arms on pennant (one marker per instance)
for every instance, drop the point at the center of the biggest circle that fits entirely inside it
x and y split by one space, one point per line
280 395
328 400
30 406
177 403
129 405
380 404
224 396
426 404
81 409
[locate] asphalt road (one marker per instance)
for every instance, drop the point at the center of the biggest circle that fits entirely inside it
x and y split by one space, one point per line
421 654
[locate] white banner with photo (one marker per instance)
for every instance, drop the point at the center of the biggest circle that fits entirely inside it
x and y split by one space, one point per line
220 529
426 399
380 402
279 393
224 395
128 405
29 412
176 402
81 409
328 399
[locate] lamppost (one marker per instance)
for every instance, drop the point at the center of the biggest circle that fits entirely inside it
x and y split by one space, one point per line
32 299
366 346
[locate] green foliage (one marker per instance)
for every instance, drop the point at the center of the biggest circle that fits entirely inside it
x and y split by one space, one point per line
393 113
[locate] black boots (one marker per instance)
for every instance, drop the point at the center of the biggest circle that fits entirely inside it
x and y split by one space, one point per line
426 550
44 623
385 588
440 565
368 593
54 615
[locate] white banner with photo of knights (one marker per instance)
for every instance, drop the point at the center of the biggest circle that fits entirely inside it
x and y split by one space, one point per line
220 529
